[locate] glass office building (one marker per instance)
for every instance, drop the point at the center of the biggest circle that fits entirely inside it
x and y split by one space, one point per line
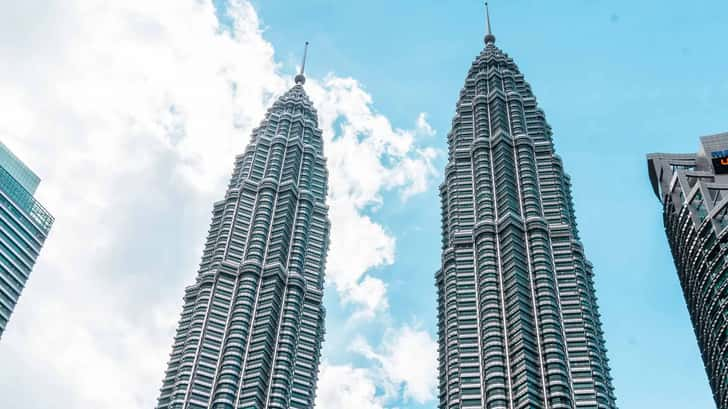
252 324
24 226
518 322
693 189
24 176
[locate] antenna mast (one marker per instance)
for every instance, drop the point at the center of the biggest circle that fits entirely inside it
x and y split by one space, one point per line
301 78
489 38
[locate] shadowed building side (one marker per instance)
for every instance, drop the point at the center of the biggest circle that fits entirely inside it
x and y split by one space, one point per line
252 324
693 189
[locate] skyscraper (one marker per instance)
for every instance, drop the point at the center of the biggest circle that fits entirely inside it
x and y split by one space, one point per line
693 189
252 324
24 226
517 311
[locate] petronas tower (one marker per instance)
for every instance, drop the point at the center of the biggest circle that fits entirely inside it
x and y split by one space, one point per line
252 323
517 312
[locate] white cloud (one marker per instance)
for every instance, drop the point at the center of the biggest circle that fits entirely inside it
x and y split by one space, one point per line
401 370
130 119
346 387
407 363
131 112
423 126
366 157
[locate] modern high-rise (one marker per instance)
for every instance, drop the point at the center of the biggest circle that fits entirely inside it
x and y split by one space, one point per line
518 323
24 226
251 328
693 189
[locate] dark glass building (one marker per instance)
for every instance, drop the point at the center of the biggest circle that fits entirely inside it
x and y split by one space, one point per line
24 226
693 189
252 324
519 326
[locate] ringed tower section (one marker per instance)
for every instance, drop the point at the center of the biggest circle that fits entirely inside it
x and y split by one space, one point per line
252 324
518 322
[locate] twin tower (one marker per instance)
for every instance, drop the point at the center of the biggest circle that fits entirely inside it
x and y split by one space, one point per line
518 324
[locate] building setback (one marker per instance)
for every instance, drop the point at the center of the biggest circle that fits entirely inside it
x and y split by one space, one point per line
24 226
518 323
693 189
252 324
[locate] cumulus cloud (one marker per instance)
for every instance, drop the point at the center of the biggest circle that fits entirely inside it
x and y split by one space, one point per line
401 370
367 156
406 362
344 386
131 112
423 126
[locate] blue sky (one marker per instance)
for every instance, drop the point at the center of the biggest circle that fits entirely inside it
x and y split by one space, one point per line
617 80
126 111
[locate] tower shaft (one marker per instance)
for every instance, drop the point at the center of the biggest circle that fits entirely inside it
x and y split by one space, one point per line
252 324
518 321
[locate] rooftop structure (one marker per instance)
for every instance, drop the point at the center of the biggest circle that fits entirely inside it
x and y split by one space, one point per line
693 190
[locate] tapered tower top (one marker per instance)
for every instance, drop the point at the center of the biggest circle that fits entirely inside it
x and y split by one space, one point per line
301 78
489 38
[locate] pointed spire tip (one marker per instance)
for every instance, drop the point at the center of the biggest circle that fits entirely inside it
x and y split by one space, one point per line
489 38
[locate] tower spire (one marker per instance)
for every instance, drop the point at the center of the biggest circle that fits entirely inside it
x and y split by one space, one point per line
489 38
301 78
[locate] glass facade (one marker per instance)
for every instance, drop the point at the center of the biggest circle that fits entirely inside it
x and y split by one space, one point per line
251 327
24 226
693 189
518 322
24 176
